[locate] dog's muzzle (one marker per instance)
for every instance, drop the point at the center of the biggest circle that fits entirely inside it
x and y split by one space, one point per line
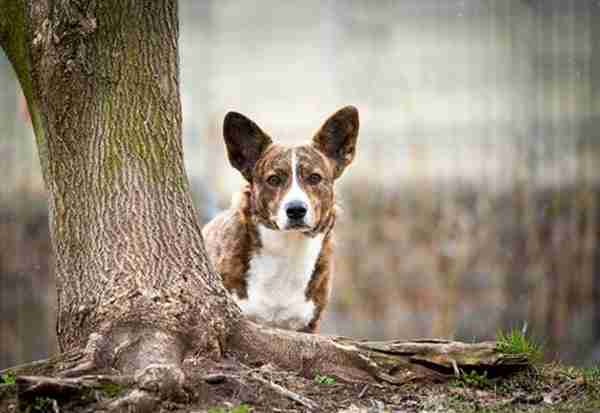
295 213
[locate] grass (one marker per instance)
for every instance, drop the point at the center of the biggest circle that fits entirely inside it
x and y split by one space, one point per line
42 405
8 378
322 379
473 379
242 408
516 342
592 374
549 388
111 389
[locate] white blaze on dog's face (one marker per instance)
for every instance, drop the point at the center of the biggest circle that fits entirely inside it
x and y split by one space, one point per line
295 209
292 188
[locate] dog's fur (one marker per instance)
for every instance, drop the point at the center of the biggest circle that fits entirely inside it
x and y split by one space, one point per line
273 247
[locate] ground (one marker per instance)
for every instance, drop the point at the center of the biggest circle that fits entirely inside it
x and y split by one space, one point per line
232 387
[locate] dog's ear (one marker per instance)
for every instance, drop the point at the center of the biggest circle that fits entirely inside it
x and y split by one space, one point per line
245 142
337 138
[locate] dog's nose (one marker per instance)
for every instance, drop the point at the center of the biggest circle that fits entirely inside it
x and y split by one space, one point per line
295 210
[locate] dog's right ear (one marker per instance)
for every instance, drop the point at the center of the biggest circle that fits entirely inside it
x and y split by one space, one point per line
245 142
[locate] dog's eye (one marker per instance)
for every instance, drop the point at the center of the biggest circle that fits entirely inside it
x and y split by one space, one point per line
314 179
274 180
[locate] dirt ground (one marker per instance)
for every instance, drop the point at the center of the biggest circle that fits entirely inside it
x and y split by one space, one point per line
542 389
231 387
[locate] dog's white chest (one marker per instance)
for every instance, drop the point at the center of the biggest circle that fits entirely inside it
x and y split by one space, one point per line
277 279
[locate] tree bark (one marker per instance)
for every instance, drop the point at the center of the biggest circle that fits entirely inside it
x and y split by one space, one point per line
135 288
104 84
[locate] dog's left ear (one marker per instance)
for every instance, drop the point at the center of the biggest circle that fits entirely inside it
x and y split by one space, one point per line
337 138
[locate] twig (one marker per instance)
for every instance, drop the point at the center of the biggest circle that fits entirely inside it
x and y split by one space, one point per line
304 401
215 378
363 391
455 368
32 386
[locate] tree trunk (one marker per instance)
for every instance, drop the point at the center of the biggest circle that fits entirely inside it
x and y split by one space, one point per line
129 254
135 288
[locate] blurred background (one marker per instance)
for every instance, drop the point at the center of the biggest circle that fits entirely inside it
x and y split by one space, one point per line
473 204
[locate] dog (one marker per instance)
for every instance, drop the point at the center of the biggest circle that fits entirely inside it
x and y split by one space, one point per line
273 247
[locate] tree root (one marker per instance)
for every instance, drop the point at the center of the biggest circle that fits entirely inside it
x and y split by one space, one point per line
161 378
33 390
111 392
350 359
395 362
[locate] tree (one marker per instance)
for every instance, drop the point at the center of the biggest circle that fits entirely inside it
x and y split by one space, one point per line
136 291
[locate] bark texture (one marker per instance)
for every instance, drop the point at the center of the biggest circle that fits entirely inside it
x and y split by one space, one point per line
130 260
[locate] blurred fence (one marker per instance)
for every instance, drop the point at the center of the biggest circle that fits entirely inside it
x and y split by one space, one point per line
472 205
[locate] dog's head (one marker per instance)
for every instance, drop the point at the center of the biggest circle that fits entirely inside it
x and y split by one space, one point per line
292 187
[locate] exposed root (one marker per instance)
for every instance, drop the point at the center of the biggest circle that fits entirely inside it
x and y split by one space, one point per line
346 358
141 392
149 361
83 389
396 362
153 365
167 380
